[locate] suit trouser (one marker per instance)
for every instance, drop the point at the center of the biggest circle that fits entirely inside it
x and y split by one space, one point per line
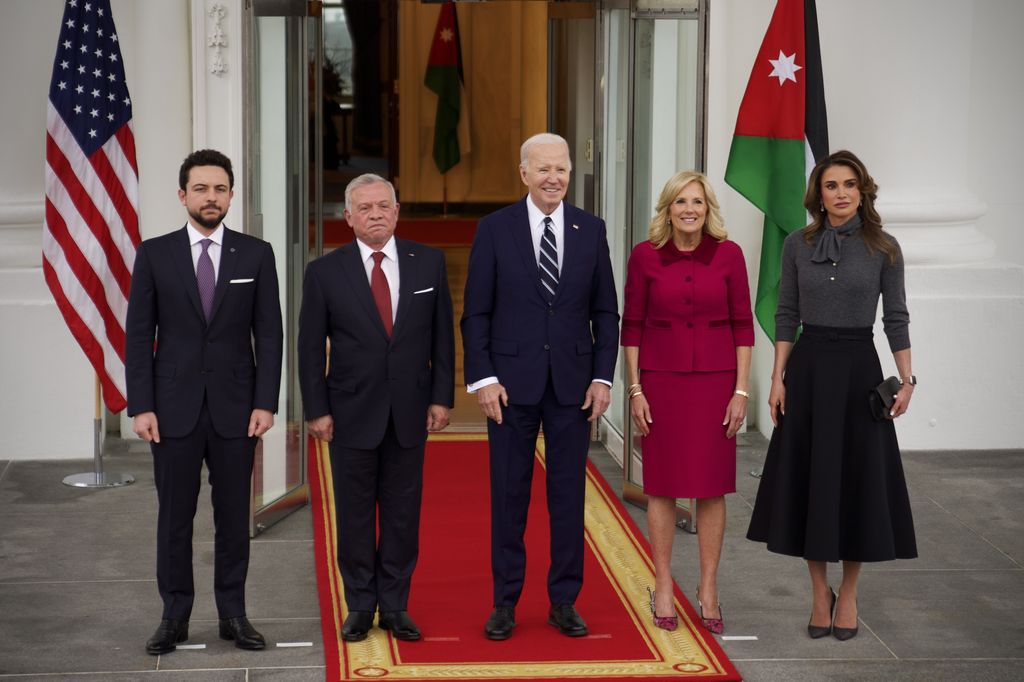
513 445
177 469
377 571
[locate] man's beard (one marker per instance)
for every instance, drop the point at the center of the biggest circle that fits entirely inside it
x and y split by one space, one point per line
208 223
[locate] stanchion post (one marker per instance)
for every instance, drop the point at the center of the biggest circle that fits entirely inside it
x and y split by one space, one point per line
98 479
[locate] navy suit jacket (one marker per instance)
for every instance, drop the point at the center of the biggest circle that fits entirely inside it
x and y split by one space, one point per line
508 328
372 376
234 361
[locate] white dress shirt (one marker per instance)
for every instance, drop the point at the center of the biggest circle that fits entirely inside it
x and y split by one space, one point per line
389 265
194 239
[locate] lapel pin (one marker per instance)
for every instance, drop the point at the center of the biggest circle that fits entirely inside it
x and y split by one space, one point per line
232 249
575 226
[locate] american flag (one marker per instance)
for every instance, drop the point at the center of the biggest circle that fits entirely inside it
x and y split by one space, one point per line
91 225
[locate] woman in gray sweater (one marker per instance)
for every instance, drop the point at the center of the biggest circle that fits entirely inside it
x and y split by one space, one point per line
833 486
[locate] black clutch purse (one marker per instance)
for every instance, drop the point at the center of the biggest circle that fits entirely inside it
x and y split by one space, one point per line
882 397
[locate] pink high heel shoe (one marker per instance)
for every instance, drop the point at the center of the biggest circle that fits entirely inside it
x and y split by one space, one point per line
669 623
715 625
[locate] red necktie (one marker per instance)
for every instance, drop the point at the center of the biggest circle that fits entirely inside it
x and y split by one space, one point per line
381 292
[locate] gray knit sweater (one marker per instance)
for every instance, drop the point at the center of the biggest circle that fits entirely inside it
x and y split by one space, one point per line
843 294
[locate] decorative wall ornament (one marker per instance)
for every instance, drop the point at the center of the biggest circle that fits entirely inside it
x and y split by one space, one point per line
217 39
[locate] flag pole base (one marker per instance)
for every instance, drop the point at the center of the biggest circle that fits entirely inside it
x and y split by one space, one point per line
98 480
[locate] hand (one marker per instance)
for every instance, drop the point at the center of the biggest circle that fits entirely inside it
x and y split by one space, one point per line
598 398
491 398
437 417
735 413
641 413
144 426
321 428
777 400
260 422
902 401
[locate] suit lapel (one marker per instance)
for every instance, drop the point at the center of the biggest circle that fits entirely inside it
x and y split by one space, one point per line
407 267
182 257
228 260
355 272
522 235
572 246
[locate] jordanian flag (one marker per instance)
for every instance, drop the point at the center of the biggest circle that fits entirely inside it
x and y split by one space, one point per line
781 129
444 76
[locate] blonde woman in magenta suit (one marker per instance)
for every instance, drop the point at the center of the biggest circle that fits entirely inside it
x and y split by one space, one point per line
687 332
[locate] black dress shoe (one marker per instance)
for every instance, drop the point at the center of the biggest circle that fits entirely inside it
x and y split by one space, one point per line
844 634
567 620
167 636
499 625
242 632
400 625
356 625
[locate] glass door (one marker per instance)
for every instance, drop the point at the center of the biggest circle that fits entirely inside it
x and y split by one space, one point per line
282 158
665 135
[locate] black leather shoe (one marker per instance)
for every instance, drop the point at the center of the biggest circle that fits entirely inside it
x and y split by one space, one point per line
356 625
567 620
499 625
242 632
844 634
167 636
400 625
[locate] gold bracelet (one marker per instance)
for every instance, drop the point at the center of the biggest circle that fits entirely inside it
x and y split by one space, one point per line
635 394
632 386
742 393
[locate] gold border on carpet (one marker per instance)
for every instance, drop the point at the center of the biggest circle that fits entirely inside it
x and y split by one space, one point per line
626 565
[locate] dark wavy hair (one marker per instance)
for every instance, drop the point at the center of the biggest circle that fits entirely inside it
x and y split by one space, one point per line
205 157
871 222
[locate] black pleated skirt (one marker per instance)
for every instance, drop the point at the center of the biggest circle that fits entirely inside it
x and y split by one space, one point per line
833 488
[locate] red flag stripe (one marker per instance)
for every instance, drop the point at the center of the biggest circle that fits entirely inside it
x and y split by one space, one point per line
77 208
126 139
85 174
123 168
115 191
70 257
113 389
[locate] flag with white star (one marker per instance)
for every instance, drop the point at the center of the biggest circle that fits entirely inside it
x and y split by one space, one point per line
444 76
91 224
781 129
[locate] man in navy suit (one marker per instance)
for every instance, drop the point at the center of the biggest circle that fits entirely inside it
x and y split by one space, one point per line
540 332
384 305
207 298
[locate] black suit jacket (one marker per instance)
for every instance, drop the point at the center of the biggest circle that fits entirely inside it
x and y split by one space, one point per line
372 376
508 328
234 360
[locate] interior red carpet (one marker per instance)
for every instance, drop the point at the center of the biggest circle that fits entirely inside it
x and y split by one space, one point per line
451 591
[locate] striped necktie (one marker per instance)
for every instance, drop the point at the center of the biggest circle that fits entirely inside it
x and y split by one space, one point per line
549 261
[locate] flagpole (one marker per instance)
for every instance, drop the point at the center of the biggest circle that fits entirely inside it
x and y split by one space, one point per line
444 194
98 479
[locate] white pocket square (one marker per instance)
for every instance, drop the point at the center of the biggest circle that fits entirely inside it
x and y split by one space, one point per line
423 291
242 281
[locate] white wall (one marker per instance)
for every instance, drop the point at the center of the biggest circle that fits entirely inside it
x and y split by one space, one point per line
47 397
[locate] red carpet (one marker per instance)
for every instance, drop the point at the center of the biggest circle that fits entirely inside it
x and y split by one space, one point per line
451 592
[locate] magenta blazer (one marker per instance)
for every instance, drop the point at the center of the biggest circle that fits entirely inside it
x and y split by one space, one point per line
687 311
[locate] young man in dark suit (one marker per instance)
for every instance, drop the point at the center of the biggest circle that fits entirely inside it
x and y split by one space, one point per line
383 304
540 332
203 367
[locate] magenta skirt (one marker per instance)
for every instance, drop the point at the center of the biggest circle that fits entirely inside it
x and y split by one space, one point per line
687 453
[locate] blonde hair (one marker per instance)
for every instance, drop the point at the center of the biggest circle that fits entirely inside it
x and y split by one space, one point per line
660 230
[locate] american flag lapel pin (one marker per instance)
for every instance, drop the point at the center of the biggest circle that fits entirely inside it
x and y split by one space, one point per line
575 226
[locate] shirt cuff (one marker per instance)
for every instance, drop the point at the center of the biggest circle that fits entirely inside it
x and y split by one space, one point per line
602 381
477 385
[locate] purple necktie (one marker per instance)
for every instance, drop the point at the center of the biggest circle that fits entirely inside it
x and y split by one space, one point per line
207 280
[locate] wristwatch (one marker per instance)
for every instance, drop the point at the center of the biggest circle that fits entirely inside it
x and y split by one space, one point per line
912 380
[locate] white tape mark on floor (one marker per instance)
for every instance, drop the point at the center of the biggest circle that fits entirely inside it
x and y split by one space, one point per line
285 645
191 646
739 638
